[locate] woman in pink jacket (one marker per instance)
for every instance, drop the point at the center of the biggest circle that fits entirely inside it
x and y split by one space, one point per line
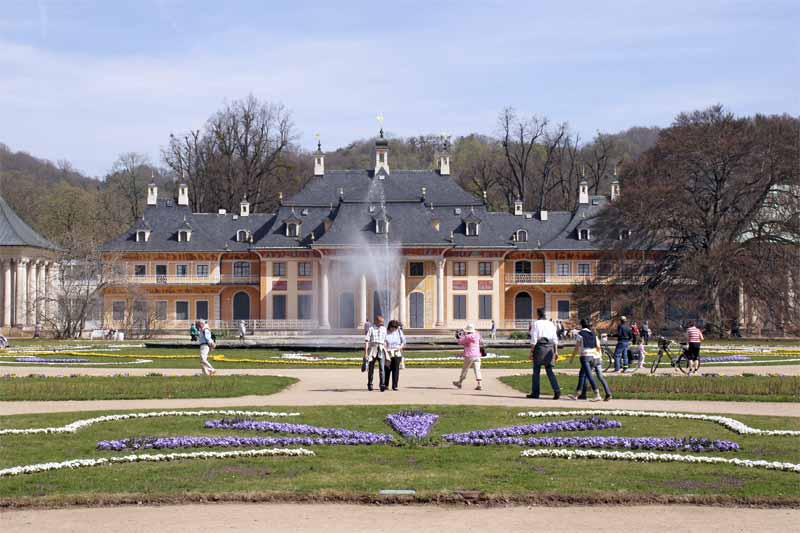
471 341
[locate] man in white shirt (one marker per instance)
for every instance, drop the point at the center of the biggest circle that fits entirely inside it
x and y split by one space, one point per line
206 345
544 346
375 350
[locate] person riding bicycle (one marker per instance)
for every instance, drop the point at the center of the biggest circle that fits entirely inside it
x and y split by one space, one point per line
694 337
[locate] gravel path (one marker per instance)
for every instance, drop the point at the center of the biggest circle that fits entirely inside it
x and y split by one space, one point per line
434 519
348 386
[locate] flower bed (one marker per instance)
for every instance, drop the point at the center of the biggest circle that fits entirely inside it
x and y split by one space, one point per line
171 443
412 424
151 458
631 443
725 358
80 424
649 457
300 429
587 424
730 423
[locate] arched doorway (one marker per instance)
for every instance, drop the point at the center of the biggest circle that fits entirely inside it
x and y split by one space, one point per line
347 310
241 306
416 311
523 307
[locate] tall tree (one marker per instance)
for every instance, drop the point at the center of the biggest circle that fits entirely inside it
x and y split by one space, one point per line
130 174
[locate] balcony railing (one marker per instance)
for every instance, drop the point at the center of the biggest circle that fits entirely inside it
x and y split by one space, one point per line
173 279
569 279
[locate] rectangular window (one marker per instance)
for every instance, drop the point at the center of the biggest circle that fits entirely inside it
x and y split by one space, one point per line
485 307
202 271
416 269
140 270
161 310
118 310
563 309
304 307
304 270
181 270
241 269
484 268
181 310
584 269
459 269
460 307
140 311
605 310
279 269
279 306
563 269
201 310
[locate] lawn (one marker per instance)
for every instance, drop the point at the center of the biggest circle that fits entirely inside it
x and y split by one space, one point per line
747 388
435 469
138 387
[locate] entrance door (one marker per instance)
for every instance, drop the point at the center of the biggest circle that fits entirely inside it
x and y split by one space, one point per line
417 310
241 306
347 310
523 307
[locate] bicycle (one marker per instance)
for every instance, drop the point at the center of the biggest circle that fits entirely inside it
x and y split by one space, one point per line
633 359
665 347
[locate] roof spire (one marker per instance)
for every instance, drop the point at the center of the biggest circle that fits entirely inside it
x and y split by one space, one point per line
379 118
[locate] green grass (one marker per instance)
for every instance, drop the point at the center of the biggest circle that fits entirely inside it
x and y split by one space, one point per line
661 387
433 469
138 387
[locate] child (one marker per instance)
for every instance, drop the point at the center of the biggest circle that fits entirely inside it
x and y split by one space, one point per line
642 352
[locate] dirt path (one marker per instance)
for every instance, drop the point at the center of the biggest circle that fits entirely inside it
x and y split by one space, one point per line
333 518
347 387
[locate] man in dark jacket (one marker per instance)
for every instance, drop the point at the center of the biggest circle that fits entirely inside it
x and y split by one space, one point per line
624 337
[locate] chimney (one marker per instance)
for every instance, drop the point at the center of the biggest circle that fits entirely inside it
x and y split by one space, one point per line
319 160
183 194
543 215
244 207
152 194
518 207
381 155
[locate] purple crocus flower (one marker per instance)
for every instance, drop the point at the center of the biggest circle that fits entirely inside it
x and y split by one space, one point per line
297 429
588 424
412 424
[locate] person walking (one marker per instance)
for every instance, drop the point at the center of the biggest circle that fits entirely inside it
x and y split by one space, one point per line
471 341
242 330
206 345
624 336
193 332
591 359
395 342
375 351
544 346
646 332
694 337
493 331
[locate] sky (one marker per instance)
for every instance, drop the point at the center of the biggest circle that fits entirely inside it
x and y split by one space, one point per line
86 81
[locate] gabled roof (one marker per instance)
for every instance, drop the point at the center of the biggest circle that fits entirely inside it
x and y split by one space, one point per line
15 232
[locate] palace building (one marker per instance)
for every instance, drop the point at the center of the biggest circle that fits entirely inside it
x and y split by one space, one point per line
408 244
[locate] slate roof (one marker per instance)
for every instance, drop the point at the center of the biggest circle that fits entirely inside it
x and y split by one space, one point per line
349 220
15 232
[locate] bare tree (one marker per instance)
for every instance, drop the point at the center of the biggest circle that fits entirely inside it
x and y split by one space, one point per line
519 138
130 174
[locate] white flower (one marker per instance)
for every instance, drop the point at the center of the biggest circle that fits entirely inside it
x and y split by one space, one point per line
730 423
82 463
650 457
80 424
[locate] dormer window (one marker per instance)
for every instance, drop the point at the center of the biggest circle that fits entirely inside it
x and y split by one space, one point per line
142 236
381 226
472 224
292 229
521 235
242 235
624 234
472 229
184 235
584 235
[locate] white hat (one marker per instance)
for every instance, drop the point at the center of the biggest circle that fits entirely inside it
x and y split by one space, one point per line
470 328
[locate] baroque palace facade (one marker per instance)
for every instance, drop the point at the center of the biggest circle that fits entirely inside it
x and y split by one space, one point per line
408 244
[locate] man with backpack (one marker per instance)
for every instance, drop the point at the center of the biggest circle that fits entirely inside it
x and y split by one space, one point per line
207 343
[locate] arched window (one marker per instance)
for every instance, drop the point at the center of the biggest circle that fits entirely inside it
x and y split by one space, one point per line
292 230
141 236
184 235
625 234
242 235
522 235
241 269
584 235
381 226
472 229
